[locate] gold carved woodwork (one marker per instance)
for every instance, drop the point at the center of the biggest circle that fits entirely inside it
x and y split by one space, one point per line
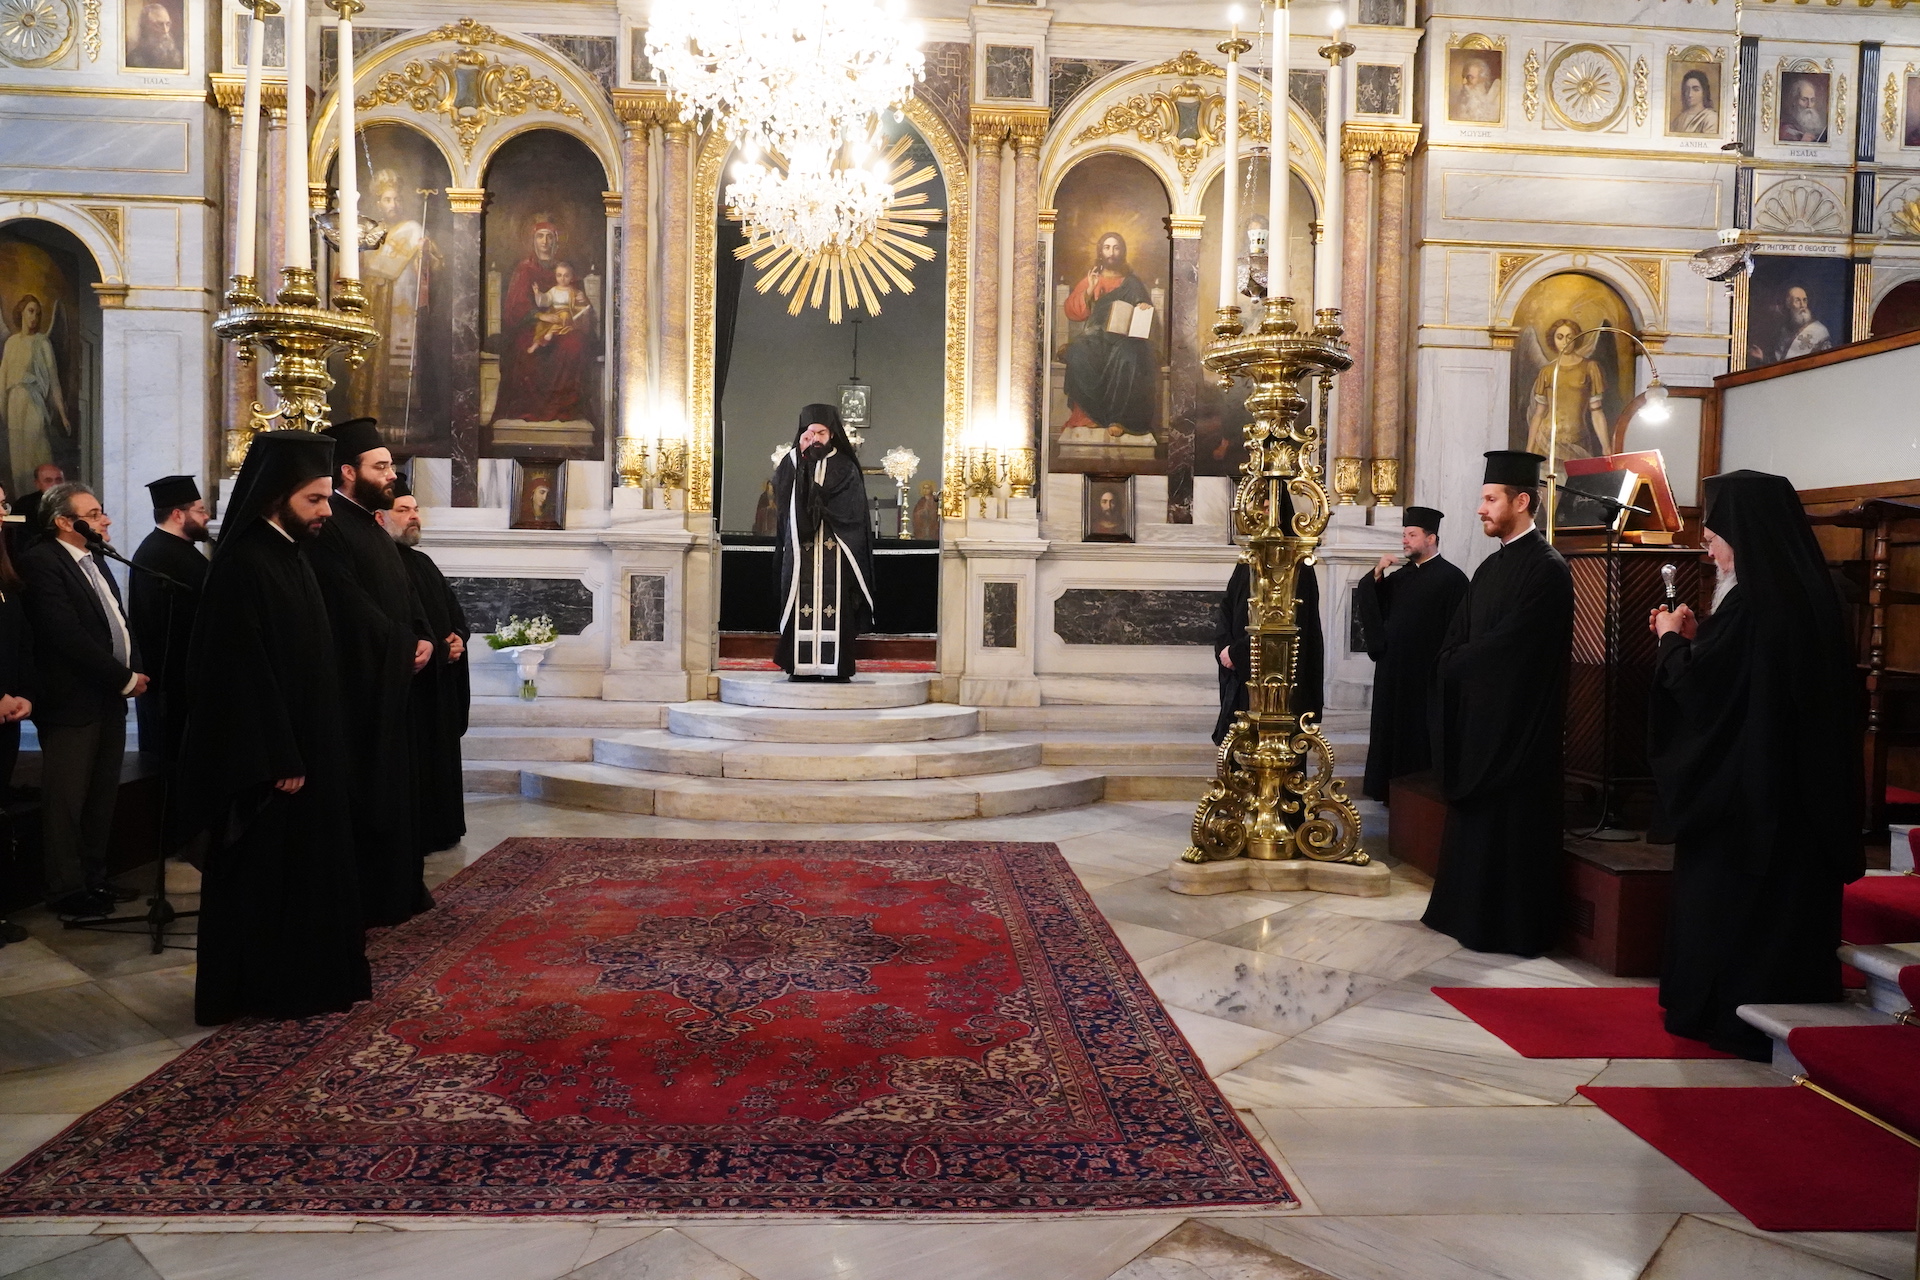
1766 104
1905 217
1346 480
1652 272
1476 41
1386 481
466 199
1530 93
1508 265
1189 63
1641 76
1696 53
91 35
111 220
468 87
1186 120
1840 110
229 94
1180 228
1383 140
611 202
1890 109
111 295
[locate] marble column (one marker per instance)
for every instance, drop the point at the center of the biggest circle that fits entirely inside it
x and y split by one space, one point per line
989 135
676 180
239 378
1024 377
640 115
1389 324
1350 443
1188 298
273 193
464 304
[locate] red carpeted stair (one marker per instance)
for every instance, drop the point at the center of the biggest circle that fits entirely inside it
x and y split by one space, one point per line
1875 1068
1910 984
1877 910
1576 1022
1788 1159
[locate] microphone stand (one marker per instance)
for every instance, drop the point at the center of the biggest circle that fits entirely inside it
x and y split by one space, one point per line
160 909
1602 828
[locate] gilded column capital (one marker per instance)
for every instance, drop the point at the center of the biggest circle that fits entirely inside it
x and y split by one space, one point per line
1380 139
1046 218
677 130
611 202
466 199
644 107
996 124
229 94
1185 228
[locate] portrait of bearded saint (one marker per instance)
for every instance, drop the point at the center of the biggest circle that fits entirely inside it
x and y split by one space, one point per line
1802 118
543 376
397 277
1111 376
1799 333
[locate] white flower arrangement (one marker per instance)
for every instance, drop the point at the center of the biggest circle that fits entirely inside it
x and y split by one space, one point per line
900 463
517 631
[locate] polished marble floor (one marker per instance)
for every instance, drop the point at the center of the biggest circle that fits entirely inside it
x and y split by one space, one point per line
1421 1146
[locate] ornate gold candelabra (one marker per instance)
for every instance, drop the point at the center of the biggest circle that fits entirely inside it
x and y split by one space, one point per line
299 336
983 474
640 462
1274 796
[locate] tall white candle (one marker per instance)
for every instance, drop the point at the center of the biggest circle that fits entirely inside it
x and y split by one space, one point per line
1278 172
1326 274
248 214
349 212
1229 237
299 225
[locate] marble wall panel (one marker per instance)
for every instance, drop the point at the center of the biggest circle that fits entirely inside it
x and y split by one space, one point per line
491 601
1098 615
1066 77
1009 71
948 83
1000 615
365 41
647 608
1565 200
128 143
598 56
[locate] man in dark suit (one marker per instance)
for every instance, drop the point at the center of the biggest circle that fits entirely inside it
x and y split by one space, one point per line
88 667
162 614
27 506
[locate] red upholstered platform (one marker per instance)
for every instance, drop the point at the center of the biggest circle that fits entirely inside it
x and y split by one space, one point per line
1576 1022
1875 1068
1788 1159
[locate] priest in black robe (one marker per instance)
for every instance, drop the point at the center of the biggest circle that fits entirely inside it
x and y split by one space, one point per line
1501 690
826 557
161 610
380 641
1233 650
1404 610
265 758
1755 730
441 692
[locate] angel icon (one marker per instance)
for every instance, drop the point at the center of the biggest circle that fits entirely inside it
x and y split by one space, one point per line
31 404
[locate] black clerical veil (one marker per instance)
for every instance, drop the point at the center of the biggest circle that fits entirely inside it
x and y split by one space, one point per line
277 463
1762 727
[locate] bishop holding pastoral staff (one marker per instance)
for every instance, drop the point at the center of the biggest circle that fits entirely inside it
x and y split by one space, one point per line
266 764
1502 677
1755 729
1404 608
826 560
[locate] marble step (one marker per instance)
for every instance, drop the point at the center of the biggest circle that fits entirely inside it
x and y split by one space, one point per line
1778 1020
565 713
526 744
659 752
667 795
868 690
1882 965
1185 719
792 724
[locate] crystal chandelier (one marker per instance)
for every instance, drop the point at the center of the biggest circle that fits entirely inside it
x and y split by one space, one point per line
787 76
810 211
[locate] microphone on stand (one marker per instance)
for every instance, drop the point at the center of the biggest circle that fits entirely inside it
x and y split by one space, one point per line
97 543
1672 601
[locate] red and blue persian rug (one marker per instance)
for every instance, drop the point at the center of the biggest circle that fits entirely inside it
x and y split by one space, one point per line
703 1027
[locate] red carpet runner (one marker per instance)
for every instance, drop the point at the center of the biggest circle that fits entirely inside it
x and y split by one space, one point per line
706 1027
1576 1022
1788 1159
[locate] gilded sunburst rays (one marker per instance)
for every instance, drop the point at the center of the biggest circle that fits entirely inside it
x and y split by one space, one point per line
840 279
1588 90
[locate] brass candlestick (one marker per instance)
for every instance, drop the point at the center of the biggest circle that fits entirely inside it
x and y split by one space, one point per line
299 336
1274 796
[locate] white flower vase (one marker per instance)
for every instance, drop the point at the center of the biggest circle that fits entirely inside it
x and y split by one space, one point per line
527 658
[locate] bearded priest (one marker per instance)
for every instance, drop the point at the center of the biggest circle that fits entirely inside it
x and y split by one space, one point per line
265 761
826 558
1502 680
381 639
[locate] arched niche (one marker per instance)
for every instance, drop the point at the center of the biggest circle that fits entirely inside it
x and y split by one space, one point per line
1171 115
50 353
1566 391
406 381
545 271
1898 310
1108 362
708 178
471 88
770 359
